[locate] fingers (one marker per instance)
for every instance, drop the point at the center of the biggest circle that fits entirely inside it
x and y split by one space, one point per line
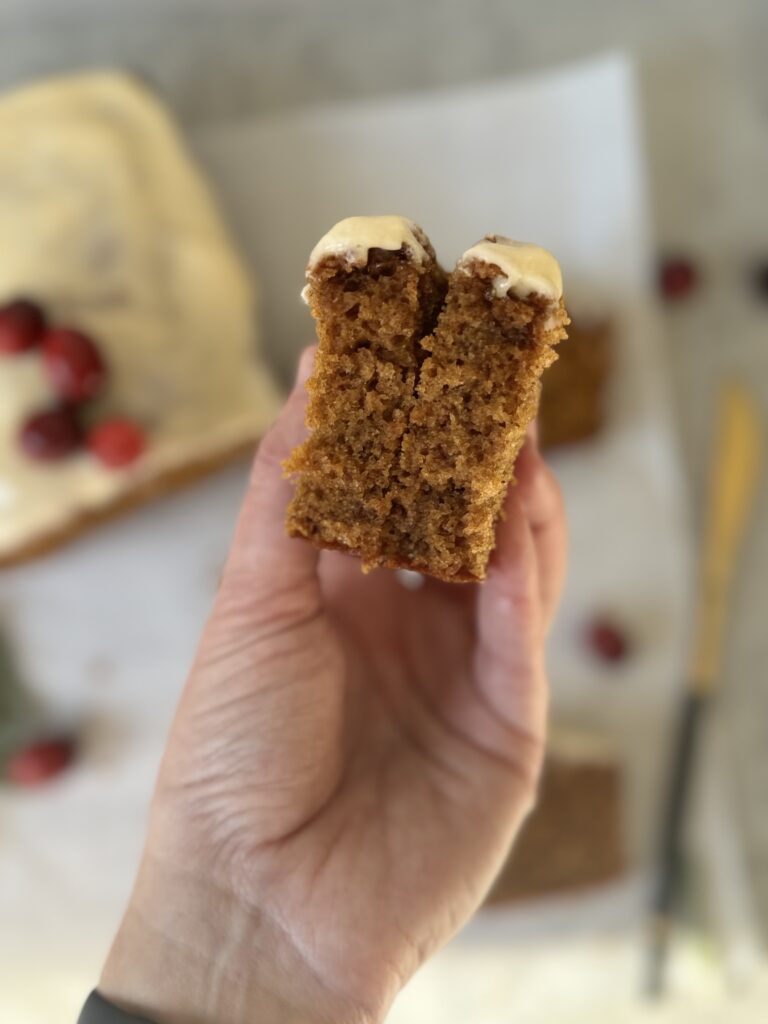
509 659
542 503
520 595
263 559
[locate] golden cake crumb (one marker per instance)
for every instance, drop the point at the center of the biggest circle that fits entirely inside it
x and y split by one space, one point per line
573 397
423 389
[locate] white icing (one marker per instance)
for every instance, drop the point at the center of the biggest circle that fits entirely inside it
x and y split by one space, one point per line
525 269
354 237
104 220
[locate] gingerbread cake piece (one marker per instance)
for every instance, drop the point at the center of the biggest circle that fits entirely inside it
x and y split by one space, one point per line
573 398
420 398
478 389
573 839
374 288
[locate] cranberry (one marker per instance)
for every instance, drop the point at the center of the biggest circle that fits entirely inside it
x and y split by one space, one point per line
117 442
40 761
73 364
22 324
677 278
607 640
51 435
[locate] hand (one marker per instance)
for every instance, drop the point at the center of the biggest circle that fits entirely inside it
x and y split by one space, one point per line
350 762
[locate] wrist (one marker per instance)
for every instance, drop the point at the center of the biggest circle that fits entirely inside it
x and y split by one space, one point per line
188 952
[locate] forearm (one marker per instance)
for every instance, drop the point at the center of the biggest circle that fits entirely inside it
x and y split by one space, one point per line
189 953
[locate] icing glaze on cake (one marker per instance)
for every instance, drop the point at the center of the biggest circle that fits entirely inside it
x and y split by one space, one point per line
354 237
524 269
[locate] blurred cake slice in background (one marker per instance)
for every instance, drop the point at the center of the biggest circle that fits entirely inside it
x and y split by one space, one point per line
574 838
128 360
573 397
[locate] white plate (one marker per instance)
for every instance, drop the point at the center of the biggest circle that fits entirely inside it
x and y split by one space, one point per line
107 627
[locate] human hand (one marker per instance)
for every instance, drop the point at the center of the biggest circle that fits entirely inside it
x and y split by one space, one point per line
350 762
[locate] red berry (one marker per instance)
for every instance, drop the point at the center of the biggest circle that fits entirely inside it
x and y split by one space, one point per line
677 278
117 442
51 435
40 761
22 324
73 364
607 640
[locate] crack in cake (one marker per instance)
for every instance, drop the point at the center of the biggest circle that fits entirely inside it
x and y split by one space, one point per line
423 389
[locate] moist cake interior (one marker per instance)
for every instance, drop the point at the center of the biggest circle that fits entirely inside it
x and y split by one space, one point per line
422 393
370 322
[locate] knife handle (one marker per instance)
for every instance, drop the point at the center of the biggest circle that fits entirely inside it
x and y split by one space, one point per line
733 478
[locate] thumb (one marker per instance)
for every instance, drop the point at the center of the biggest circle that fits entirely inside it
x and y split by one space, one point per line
269 574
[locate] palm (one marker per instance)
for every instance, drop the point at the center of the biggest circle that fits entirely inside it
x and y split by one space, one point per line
416 810
368 732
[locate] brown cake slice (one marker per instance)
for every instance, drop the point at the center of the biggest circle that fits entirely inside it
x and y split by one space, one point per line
374 288
573 399
420 400
478 390
574 837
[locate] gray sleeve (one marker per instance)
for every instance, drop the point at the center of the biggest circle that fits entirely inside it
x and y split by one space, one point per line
98 1011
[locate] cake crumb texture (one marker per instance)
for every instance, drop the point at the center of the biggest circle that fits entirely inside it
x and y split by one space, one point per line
369 322
573 399
421 396
478 390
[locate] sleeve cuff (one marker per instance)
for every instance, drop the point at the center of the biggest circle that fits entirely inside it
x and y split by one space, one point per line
98 1010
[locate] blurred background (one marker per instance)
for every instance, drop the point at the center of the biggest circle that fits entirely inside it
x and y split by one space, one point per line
632 140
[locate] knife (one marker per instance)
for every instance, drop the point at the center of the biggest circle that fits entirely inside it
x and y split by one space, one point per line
734 470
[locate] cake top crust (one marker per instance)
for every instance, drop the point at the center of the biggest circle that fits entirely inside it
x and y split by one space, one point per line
524 268
354 237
